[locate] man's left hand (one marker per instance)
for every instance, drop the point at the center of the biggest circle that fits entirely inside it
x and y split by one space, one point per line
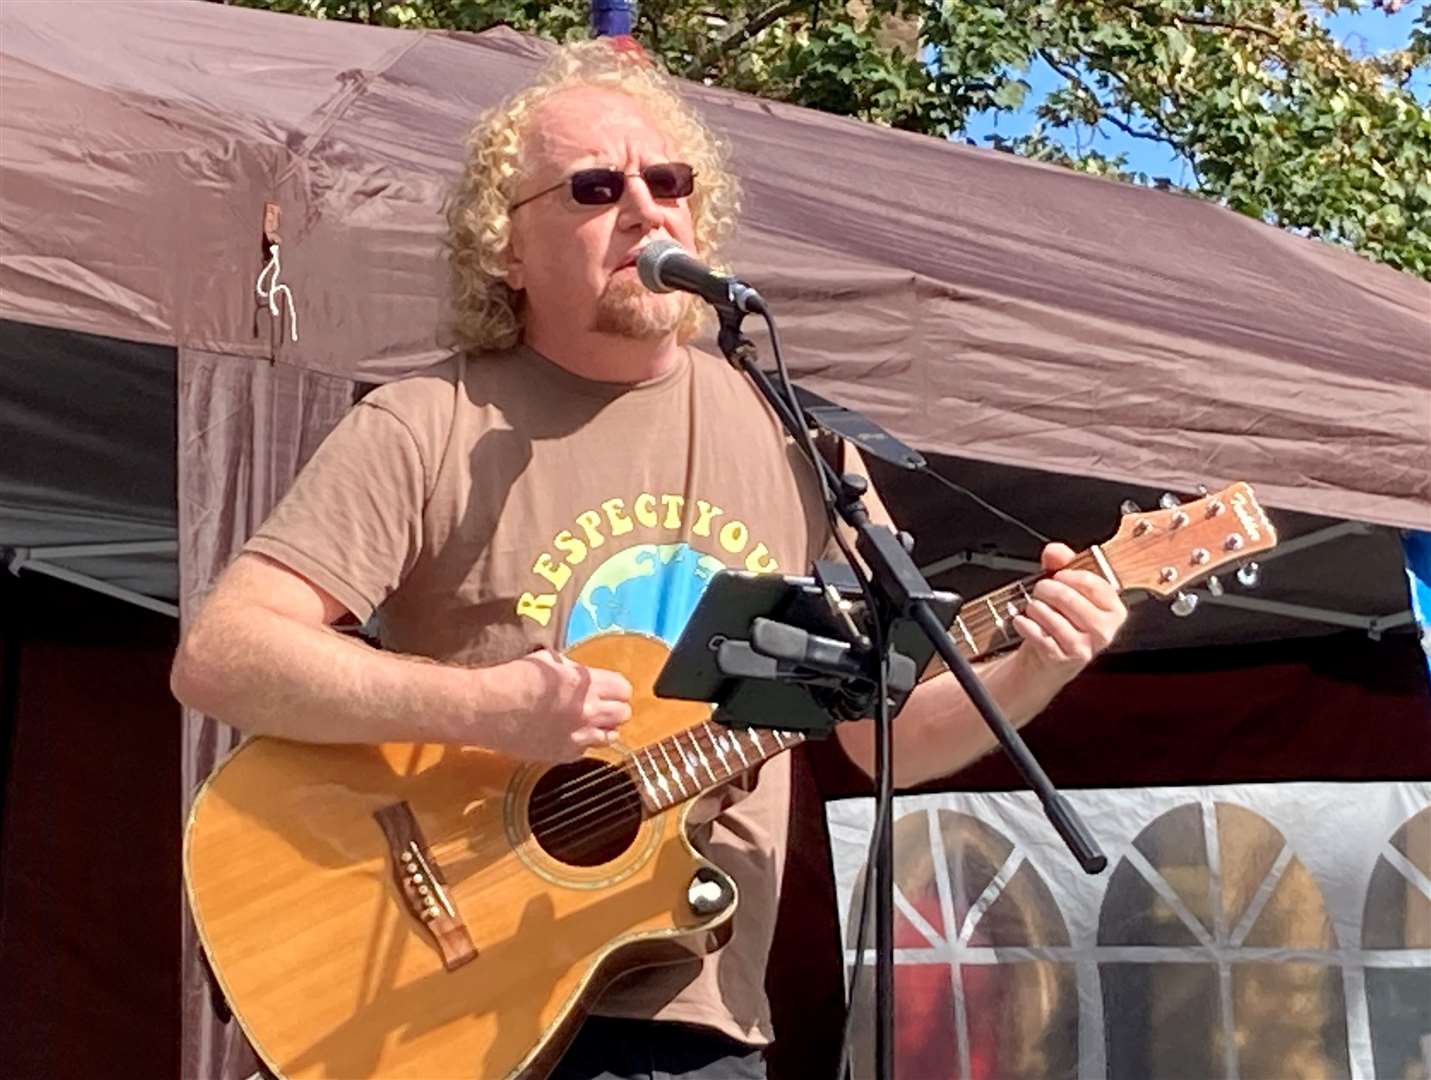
1073 616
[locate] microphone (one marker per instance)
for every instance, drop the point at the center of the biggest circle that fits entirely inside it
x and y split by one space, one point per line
665 266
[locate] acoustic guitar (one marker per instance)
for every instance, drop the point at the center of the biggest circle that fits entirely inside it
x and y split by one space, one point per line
439 911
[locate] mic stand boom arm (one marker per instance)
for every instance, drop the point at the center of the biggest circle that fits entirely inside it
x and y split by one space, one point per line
902 589
899 583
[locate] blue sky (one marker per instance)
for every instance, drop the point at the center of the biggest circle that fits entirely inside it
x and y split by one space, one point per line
1364 32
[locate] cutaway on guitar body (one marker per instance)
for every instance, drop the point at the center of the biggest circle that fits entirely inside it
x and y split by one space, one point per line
542 884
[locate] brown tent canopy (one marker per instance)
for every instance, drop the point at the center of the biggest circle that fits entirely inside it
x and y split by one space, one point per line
978 304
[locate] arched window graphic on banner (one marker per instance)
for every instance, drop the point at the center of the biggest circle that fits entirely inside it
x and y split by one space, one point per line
1226 959
966 894
1397 918
1247 931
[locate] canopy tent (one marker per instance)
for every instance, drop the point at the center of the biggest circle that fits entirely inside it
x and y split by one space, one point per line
1011 319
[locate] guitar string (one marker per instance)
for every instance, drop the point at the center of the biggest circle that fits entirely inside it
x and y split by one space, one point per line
981 618
594 839
600 784
614 820
978 622
569 837
612 779
616 784
671 741
616 780
989 616
624 781
713 749
619 779
618 820
623 778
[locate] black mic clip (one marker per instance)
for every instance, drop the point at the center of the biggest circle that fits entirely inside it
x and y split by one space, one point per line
842 677
739 297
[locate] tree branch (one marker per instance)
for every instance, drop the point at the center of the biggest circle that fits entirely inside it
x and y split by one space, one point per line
1181 150
1217 24
740 35
1104 114
1129 129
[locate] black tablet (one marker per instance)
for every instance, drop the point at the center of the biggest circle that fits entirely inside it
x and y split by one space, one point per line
732 601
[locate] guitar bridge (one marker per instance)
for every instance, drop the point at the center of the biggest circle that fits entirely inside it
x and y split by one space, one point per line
422 887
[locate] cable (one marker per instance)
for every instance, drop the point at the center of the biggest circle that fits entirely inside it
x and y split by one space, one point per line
990 507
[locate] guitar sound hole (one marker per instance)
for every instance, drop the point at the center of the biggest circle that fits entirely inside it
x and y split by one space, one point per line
585 813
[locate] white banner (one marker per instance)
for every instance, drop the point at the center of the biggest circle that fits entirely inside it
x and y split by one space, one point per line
1242 931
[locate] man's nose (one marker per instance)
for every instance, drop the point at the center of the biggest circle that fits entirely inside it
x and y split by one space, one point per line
638 208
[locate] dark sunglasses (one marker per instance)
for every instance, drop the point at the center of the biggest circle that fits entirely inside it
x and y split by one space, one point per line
602 187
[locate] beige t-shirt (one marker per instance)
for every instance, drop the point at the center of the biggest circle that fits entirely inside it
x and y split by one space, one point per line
497 503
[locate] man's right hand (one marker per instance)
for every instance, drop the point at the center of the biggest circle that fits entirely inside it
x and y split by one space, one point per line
261 656
552 708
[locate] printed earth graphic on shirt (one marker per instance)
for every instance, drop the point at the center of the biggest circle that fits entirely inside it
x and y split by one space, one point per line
648 589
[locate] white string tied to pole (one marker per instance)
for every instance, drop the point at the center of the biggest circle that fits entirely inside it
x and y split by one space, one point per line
271 272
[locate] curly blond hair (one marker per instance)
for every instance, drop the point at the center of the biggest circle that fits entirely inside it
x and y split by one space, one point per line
489 312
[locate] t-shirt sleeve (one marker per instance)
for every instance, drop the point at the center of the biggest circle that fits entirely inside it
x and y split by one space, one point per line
352 522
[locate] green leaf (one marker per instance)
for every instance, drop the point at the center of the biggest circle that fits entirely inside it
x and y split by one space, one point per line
1011 94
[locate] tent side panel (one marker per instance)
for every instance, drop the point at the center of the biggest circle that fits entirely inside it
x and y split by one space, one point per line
245 429
89 882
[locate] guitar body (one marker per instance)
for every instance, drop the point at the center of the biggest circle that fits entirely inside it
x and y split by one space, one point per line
303 904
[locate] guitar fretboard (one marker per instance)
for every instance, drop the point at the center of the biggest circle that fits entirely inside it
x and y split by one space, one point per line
694 761
986 624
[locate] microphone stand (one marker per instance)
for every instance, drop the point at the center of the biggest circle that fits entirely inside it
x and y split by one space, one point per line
902 590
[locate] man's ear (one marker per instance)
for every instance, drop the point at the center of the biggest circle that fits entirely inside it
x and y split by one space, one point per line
516 269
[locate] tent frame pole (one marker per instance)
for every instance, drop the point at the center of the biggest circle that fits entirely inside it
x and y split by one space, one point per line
23 559
1372 625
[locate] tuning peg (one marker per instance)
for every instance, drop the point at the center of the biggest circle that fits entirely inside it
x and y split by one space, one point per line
1130 507
1249 575
1202 491
1169 501
1184 604
1214 585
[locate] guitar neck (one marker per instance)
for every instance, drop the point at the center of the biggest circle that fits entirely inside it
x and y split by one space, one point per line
1158 551
694 761
985 624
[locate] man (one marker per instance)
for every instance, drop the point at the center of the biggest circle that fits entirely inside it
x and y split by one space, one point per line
577 469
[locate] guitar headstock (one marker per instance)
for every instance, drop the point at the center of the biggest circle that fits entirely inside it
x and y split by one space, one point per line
1164 551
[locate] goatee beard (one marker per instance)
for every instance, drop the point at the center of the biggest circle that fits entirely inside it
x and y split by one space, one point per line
626 308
